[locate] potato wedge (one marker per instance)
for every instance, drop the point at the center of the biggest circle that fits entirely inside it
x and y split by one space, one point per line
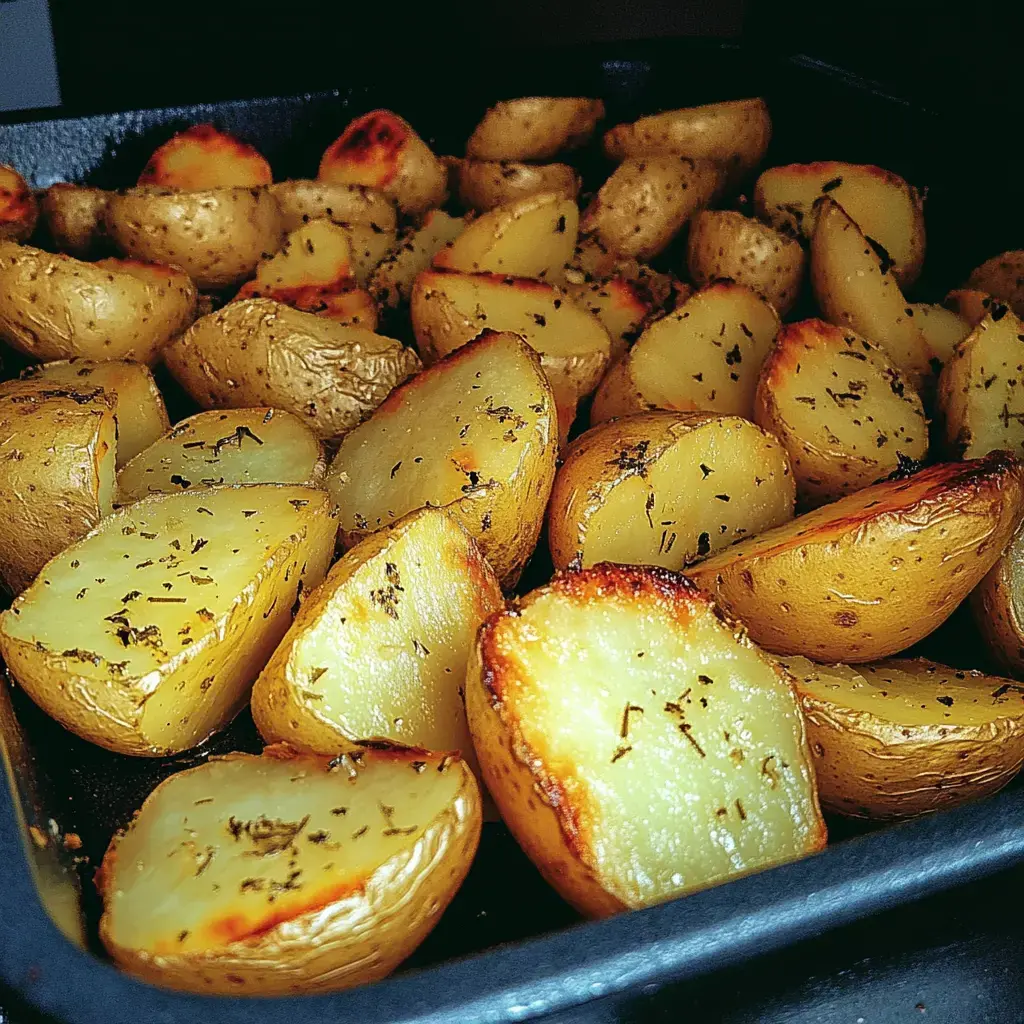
213 448
855 289
56 307
58 446
842 410
533 237
725 244
1003 278
534 128
666 488
474 433
370 245
138 404
997 604
970 304
381 150
73 215
623 306
665 758
872 573
19 208
419 590
303 200
485 184
202 157
646 202
178 601
217 236
296 874
942 328
705 356
882 204
907 736
261 353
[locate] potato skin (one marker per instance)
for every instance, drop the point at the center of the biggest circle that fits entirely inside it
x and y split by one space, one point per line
19 207
996 604
73 214
485 184
303 200
1003 278
534 128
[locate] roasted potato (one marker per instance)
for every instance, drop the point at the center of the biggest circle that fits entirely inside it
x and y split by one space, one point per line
970 304
872 573
534 128
56 307
667 757
237 446
725 244
419 590
201 157
57 454
381 150
474 433
623 307
855 289
666 488
907 736
370 245
73 215
19 208
533 237
842 410
138 404
883 205
217 236
302 201
262 353
286 873
704 356
485 184
998 607
1002 277
942 328
646 202
146 636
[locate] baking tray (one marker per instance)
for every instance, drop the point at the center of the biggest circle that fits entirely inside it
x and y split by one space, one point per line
507 949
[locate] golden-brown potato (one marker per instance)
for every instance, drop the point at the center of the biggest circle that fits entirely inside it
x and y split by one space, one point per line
146 636
646 202
706 355
303 200
623 307
286 873
55 307
202 157
998 607
474 433
874 572
217 236
725 244
73 215
666 488
261 353
667 757
942 328
382 151
485 184
907 736
970 304
855 288
883 205
1002 277
236 446
842 410
57 455
19 208
534 128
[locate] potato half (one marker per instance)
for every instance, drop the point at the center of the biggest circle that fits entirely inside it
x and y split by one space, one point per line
392 281
302 200
942 328
203 157
146 636
666 488
370 245
872 573
19 208
237 446
57 452
474 433
907 736
287 873
73 215
262 353
842 410
1003 278
622 305
485 184
637 746
998 607
534 128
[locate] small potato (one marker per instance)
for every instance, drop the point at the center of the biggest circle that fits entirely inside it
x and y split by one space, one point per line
261 353
381 150
872 573
102 644
485 184
883 205
998 607
56 307
973 306
907 736
666 488
201 157
57 453
705 356
1003 278
73 215
19 208
623 307
534 128
303 200
284 873
942 328
841 409
533 237
638 746
725 244
474 433
370 245
646 202
238 446
855 288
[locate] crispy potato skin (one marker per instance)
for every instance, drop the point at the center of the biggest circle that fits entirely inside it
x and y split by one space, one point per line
534 128
997 604
73 214
19 208
202 157
486 184
1003 278
875 572
302 200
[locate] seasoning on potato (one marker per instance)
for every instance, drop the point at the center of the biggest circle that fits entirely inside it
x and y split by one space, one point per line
1003 278
942 328
73 215
19 208
622 305
534 128
203 157
485 184
301 200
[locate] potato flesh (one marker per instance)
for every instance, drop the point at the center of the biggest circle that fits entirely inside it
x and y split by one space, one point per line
202 157
18 206
942 328
369 245
618 304
316 254
391 282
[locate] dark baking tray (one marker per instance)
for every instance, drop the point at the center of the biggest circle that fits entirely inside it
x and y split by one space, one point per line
507 949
